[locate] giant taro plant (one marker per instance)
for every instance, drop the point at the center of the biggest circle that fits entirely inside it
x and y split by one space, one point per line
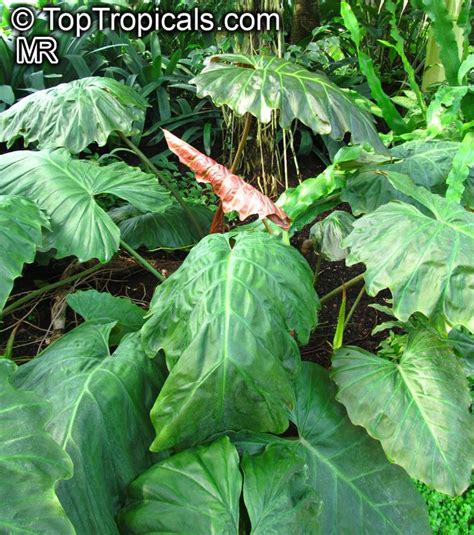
201 418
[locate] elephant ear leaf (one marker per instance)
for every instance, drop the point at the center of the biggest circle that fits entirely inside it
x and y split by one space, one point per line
66 190
196 491
261 85
429 266
233 191
21 223
100 407
74 115
31 463
361 491
418 408
277 493
203 317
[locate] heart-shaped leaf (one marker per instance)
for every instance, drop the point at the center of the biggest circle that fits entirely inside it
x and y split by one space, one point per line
418 408
360 490
66 189
226 374
328 235
74 115
425 259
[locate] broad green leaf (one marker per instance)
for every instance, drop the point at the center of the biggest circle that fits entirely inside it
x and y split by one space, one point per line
462 163
360 490
196 491
66 189
427 163
226 374
20 235
262 84
366 65
74 115
102 307
425 259
278 494
31 463
417 407
443 30
328 234
100 417
169 228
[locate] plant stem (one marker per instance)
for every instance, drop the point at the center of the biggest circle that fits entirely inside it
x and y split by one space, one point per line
161 178
354 306
142 261
268 228
339 289
32 295
217 224
242 143
316 271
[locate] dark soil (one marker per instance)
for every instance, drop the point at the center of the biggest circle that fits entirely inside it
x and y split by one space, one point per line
123 277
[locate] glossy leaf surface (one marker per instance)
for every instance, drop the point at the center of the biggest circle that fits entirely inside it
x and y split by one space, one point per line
418 408
169 228
100 417
425 259
65 189
102 307
262 84
74 115
225 374
31 463
196 491
277 493
361 491
21 223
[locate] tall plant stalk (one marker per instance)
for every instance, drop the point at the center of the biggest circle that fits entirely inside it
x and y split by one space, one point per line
174 191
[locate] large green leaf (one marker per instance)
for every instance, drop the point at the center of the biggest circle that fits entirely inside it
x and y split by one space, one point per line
169 228
262 84
74 115
425 259
195 491
102 307
417 407
31 463
100 417
225 373
360 490
277 493
66 189
20 234
427 163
